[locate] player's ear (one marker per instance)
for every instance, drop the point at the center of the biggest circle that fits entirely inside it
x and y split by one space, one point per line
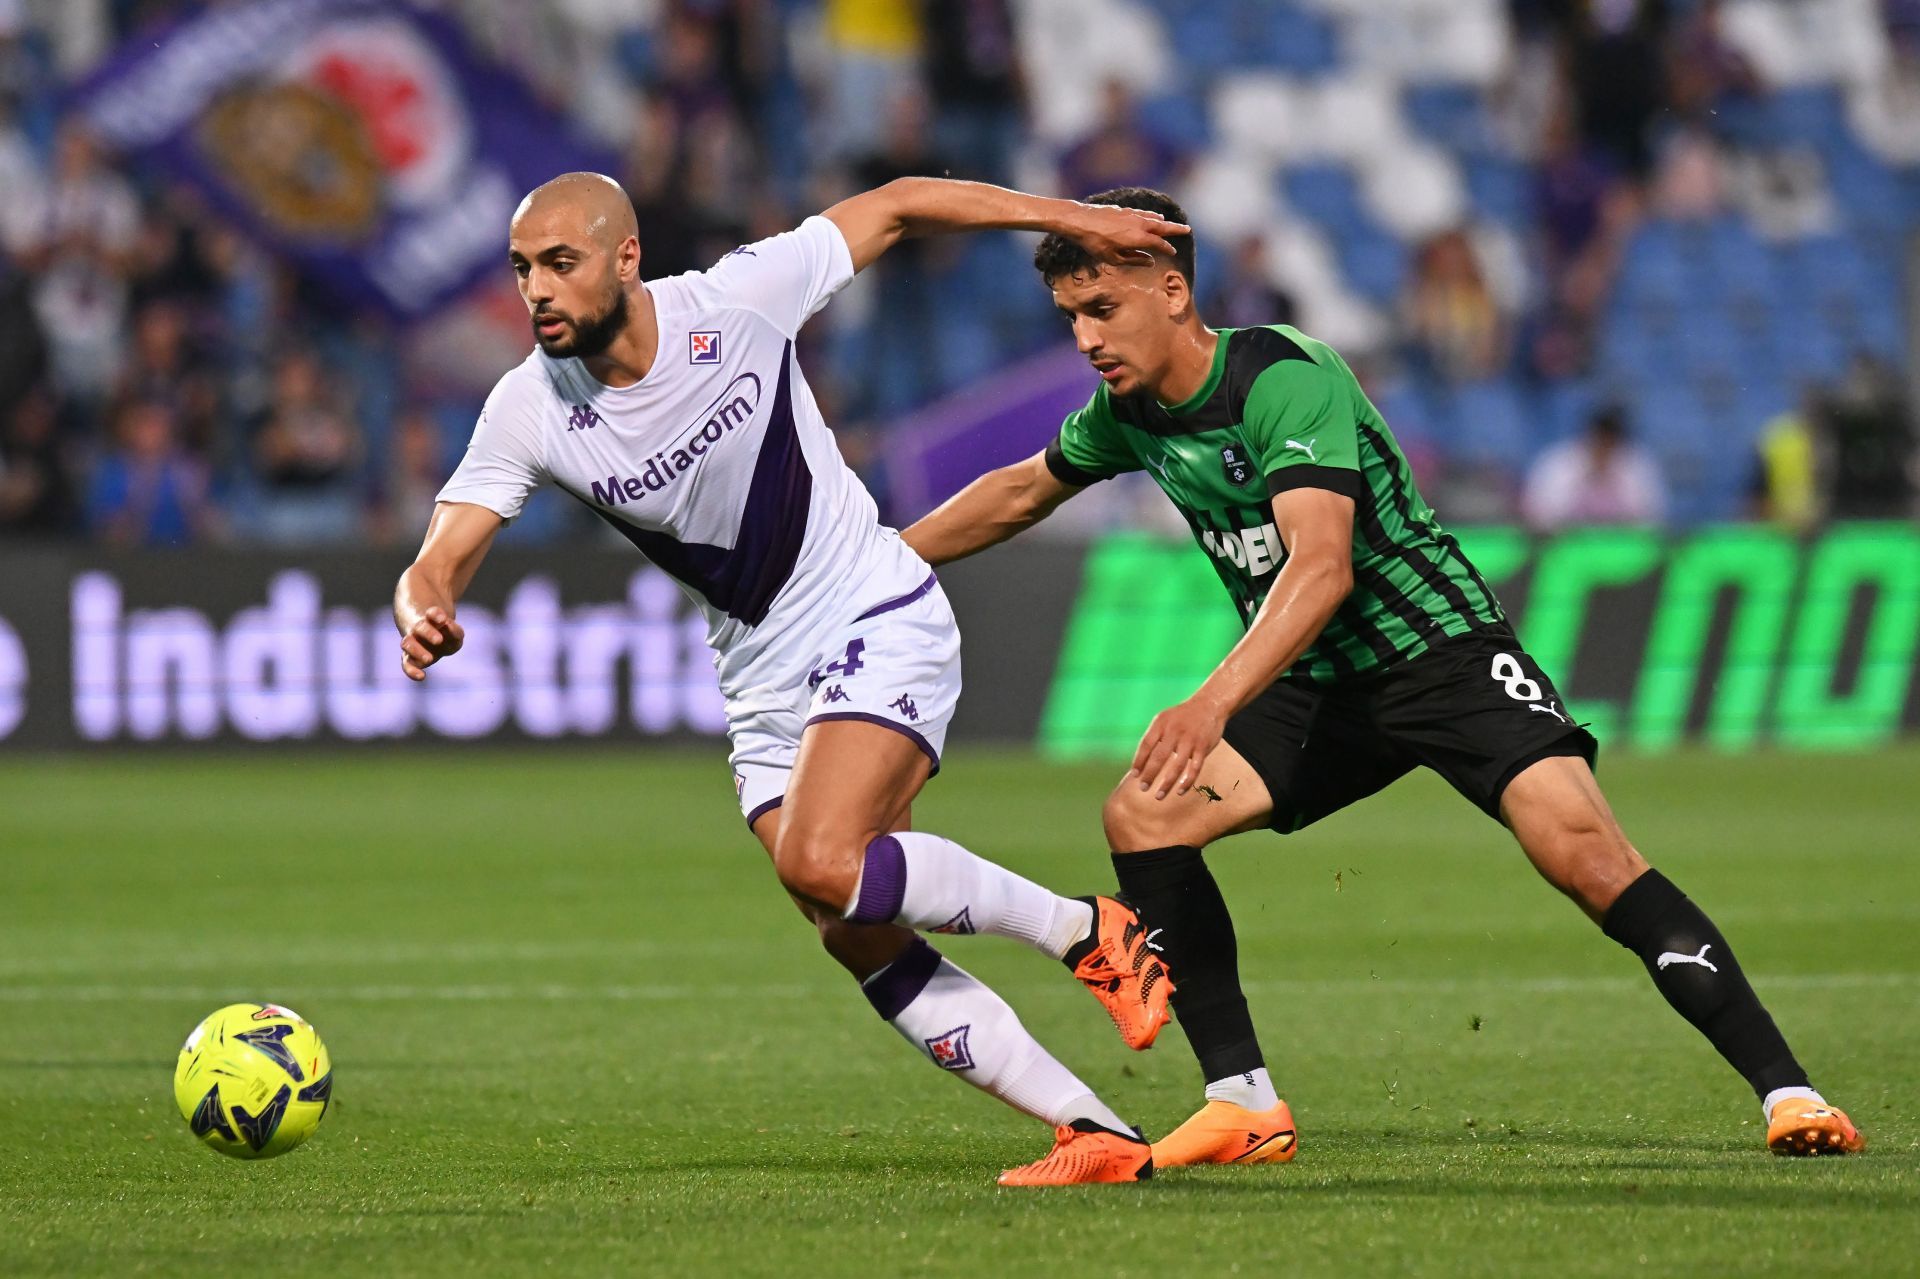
1179 296
627 259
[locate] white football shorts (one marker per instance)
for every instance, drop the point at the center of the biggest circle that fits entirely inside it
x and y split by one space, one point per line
896 665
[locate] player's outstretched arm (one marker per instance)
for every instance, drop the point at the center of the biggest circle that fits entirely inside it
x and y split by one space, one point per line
874 221
458 538
988 511
1316 527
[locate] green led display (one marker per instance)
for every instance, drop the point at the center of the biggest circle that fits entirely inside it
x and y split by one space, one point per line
1151 621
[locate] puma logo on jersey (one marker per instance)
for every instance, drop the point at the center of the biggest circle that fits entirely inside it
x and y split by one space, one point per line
1306 448
1672 957
1551 711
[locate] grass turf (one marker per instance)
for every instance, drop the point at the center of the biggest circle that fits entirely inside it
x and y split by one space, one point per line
577 1028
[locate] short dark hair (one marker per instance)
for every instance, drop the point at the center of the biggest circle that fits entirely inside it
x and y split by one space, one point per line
1057 256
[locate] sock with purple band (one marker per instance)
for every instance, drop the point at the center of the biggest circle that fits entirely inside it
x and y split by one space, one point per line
932 884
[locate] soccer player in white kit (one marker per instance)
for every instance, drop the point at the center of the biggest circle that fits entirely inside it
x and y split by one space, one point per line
675 410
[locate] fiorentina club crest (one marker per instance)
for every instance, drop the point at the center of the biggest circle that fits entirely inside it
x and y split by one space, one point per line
1233 461
703 347
960 925
949 1051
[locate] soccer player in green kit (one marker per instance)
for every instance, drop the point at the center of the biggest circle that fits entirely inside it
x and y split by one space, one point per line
1372 647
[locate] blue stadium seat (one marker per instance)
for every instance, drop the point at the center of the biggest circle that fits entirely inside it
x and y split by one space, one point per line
1374 261
1327 193
1283 37
1492 424
1455 116
1502 190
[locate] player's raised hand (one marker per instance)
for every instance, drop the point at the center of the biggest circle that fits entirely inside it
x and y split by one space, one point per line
1123 236
1175 747
433 635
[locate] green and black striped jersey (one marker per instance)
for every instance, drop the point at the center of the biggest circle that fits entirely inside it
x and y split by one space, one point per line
1280 411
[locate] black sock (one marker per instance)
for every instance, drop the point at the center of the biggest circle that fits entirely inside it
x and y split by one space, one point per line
1187 919
1701 979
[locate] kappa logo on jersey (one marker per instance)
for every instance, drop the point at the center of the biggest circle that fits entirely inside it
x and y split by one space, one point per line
583 418
904 704
734 407
960 925
834 694
949 1051
703 347
1234 462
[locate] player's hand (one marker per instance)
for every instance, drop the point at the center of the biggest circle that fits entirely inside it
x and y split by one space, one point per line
1176 745
433 635
1125 236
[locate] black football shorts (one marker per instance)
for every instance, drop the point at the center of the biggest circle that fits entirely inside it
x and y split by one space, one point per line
1474 708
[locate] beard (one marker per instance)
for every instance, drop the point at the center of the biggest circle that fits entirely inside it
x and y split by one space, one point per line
589 337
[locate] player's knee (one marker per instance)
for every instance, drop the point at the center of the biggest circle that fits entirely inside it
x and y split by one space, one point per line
818 867
1584 853
1135 820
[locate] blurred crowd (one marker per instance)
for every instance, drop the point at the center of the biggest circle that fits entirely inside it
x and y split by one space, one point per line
164 381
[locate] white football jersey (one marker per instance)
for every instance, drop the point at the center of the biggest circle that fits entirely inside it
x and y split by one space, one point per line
716 465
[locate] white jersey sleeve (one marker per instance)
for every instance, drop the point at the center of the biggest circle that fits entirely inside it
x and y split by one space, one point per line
785 278
503 462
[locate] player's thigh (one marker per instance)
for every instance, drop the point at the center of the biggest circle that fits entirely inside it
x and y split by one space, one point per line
849 781
1479 711
1314 751
1228 798
1556 810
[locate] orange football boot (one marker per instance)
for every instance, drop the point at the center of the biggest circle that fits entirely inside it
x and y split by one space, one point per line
1802 1126
1125 973
1224 1133
1083 1154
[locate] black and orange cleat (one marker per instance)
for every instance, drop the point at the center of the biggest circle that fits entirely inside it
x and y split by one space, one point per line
1123 969
1224 1133
1086 1154
1803 1126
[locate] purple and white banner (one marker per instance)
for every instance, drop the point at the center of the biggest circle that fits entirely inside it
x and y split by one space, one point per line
363 139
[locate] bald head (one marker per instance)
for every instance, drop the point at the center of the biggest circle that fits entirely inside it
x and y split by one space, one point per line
575 247
575 206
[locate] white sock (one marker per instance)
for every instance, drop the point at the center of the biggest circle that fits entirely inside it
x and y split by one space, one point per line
960 1025
1779 1095
932 884
1254 1090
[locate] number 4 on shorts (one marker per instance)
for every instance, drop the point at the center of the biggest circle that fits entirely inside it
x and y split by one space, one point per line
848 664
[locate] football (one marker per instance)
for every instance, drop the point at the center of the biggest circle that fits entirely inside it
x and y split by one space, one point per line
253 1080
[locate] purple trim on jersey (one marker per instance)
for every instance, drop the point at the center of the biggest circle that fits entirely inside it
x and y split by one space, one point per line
883 722
901 601
897 985
883 882
742 581
761 810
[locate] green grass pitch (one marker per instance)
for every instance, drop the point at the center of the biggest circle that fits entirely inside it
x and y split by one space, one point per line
577 1029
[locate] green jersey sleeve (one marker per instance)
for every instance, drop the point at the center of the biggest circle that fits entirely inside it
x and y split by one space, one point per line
1300 422
1090 446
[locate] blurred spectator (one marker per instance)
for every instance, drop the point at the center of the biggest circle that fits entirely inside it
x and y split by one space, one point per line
1871 436
873 49
160 367
37 494
83 251
1614 63
1120 152
418 473
1691 184
1883 111
903 332
1586 215
308 453
1786 473
1600 478
1454 325
23 350
1245 296
148 490
973 75
1704 70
